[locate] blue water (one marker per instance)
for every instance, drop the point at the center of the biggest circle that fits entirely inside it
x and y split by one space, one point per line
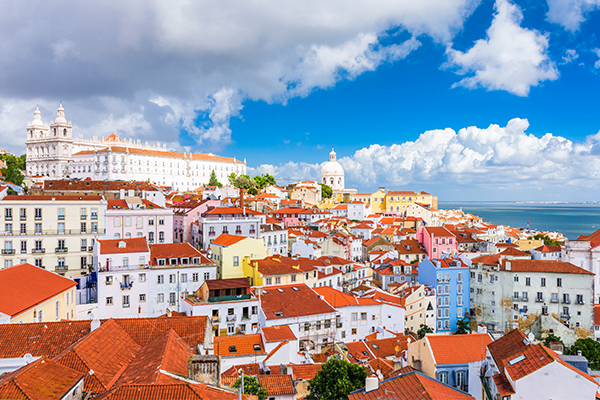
571 219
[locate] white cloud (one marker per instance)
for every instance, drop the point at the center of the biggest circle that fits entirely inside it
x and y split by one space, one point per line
472 158
597 63
511 58
570 13
570 56
176 62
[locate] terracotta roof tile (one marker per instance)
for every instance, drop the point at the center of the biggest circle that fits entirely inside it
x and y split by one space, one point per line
533 358
116 204
238 345
388 347
226 240
596 314
458 349
277 385
284 301
24 286
42 379
195 156
359 352
278 333
52 198
511 344
411 386
175 250
551 266
144 330
511 251
438 231
180 391
503 385
305 372
117 246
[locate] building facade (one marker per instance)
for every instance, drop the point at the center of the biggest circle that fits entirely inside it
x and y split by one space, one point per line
52 151
55 233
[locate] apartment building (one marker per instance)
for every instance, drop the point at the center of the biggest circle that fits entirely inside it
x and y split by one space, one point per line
134 217
52 232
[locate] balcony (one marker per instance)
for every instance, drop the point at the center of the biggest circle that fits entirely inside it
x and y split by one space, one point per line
53 232
231 318
60 218
566 301
554 300
539 299
90 248
565 316
8 218
38 217
238 232
527 299
61 268
38 251
126 285
61 250
83 248
8 251
580 302
23 218
211 233
216 319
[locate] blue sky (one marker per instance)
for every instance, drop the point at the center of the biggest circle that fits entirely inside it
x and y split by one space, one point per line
467 99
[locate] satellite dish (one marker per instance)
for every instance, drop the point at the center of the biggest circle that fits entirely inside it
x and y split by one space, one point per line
531 337
408 340
379 375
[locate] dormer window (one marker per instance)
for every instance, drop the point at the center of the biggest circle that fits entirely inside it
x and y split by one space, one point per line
173 261
196 260
161 262
184 261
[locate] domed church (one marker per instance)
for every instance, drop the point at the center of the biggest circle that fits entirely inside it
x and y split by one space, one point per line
332 173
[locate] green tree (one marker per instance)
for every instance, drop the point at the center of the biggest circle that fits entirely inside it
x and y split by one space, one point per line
326 191
253 191
232 177
213 181
251 386
423 330
589 348
262 181
462 327
547 240
14 167
552 338
336 380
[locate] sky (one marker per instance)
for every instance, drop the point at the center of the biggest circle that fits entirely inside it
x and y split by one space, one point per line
465 99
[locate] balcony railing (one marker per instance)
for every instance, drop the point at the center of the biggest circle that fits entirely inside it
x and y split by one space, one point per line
554 300
539 299
126 285
54 232
245 317
580 302
61 250
8 251
566 301
211 233
38 251
61 268
565 316
231 318
216 319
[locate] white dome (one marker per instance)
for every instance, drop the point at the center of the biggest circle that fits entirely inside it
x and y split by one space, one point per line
332 168
37 118
332 173
60 117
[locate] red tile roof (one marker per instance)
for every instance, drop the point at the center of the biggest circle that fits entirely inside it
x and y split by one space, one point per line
284 301
559 267
226 240
175 250
116 204
458 349
507 346
511 251
41 380
487 260
269 266
181 391
278 333
305 372
192 330
24 286
106 351
535 357
438 231
503 385
244 345
389 347
52 198
117 246
359 352
548 249
337 298
411 386
277 385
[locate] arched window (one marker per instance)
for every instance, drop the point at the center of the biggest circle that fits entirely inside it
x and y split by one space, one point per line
65 132
331 181
443 377
54 131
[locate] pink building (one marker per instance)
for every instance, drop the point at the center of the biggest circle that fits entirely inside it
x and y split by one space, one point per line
186 214
437 240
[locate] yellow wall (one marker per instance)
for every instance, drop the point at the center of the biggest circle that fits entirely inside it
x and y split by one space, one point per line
250 270
527 245
48 309
223 257
420 350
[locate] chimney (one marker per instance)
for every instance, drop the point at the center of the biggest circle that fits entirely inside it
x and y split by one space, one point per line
507 265
371 384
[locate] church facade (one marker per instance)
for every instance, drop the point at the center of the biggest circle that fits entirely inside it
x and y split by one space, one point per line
53 152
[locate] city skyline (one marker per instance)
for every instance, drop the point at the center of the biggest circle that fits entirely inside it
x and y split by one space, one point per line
481 100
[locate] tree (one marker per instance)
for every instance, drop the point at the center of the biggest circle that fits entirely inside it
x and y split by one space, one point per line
251 386
253 191
589 348
423 330
14 167
547 240
213 181
552 338
326 191
462 327
264 181
336 380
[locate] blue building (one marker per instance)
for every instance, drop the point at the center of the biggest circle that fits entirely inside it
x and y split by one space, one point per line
452 279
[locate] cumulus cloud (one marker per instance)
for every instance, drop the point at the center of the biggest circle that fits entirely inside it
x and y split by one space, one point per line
475 158
178 65
570 56
597 63
511 58
570 13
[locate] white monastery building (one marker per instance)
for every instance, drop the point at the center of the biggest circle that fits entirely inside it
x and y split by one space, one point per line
53 152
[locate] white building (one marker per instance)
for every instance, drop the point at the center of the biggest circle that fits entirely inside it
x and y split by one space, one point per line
134 217
275 237
52 151
546 252
332 173
52 232
137 280
227 220
230 305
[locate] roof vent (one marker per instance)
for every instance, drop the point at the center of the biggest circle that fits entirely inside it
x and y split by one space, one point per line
232 349
122 244
295 288
516 359
280 290
257 347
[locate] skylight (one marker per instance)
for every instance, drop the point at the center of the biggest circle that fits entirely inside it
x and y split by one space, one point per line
232 349
256 347
516 359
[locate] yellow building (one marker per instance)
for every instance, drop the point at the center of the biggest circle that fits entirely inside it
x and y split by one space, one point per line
52 232
376 200
271 272
228 252
396 201
32 294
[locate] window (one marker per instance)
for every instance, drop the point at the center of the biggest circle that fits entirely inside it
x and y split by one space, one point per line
117 222
83 213
559 282
539 297
269 280
527 281
160 279
151 221
354 331
142 278
354 316
38 213
443 377
479 277
542 281
94 227
61 228
172 298
459 312
94 212
183 278
83 262
150 237
172 278
459 300
8 229
195 277
142 297
277 280
459 289
236 261
139 222
160 298
516 278
566 298
126 301
23 246
83 245
161 221
544 310
109 280
8 214
83 227
109 301
23 229
579 299
459 277
38 262
306 326
38 228
525 296
161 237
127 221
554 298
516 296
23 213
363 316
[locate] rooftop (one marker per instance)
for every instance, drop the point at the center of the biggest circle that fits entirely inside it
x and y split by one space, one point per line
117 246
458 349
238 345
291 301
278 333
552 266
